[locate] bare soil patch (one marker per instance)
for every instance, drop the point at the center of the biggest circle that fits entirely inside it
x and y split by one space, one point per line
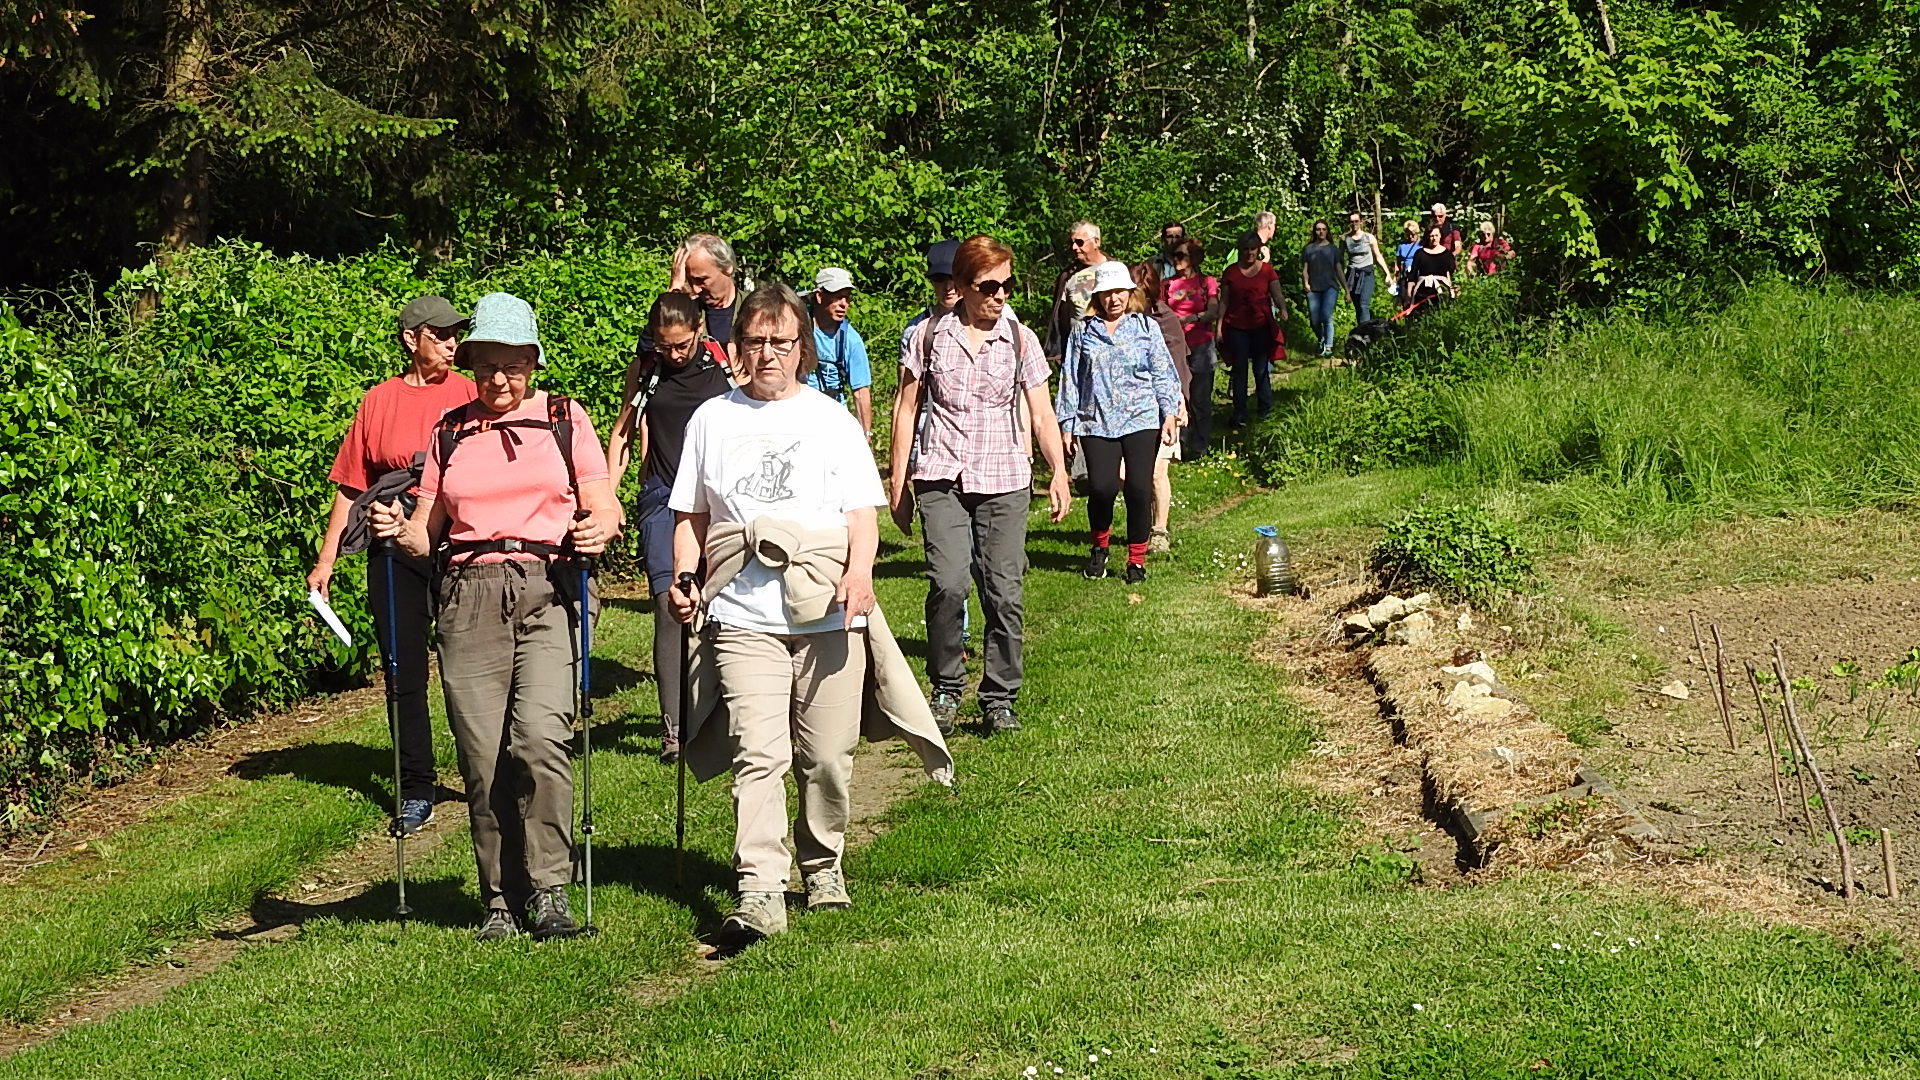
1672 756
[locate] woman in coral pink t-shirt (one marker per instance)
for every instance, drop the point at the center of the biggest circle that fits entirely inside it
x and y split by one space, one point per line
512 517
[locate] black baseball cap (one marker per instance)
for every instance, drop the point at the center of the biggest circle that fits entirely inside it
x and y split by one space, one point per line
940 258
430 311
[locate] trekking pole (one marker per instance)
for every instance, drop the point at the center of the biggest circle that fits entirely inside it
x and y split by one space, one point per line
392 660
685 585
584 709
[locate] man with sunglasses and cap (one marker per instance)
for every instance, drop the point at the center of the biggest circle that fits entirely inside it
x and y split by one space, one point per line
844 368
381 458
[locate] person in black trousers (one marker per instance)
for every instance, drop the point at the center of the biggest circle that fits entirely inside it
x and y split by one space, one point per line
380 459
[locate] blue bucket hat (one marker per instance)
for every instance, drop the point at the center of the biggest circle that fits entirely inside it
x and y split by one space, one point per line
504 318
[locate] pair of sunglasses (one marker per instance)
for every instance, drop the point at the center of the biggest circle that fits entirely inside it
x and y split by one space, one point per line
992 288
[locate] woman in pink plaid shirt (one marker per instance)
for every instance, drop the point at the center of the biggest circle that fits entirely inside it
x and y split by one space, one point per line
980 377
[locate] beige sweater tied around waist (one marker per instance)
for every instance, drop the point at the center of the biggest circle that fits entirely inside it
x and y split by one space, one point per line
810 563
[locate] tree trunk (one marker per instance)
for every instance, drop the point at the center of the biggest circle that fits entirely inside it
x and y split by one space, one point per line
187 55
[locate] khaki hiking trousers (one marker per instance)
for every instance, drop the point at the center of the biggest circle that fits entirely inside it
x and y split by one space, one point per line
793 704
507 644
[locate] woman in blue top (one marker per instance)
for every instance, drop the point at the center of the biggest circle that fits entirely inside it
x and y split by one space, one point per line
1409 243
1119 401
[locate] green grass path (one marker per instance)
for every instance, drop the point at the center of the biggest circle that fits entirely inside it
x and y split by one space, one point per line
1135 873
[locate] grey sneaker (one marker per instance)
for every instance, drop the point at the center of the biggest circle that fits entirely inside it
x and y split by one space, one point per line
1000 718
414 815
548 914
827 891
946 709
1159 541
760 915
498 924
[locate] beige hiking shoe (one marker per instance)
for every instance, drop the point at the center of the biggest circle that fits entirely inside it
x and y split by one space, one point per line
1159 541
827 891
759 915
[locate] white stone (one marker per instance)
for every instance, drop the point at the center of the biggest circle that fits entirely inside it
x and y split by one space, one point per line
1386 611
1414 629
1677 690
1479 671
1357 623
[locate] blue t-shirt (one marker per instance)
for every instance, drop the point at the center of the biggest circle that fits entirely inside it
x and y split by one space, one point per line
843 362
1405 252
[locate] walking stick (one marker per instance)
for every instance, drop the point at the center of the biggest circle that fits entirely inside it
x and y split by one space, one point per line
392 661
685 585
583 708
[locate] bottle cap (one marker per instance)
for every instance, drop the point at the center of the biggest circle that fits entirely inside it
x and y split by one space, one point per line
1266 530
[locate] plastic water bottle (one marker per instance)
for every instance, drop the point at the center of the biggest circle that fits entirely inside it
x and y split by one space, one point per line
1272 574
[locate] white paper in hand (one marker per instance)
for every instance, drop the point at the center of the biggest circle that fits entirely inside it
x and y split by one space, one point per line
327 616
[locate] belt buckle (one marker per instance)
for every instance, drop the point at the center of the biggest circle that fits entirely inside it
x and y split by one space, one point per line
513 546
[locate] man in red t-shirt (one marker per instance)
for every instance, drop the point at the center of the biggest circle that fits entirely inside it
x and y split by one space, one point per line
393 425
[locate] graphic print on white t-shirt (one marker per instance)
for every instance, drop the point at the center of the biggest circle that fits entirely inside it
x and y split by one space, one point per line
767 483
801 459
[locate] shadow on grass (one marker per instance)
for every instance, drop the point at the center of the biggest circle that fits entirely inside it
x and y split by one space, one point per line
650 869
356 767
440 901
612 677
636 607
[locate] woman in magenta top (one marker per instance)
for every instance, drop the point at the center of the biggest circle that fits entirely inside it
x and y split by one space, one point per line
511 508
1252 295
1195 298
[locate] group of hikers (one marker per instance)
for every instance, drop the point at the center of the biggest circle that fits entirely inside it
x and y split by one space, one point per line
482 500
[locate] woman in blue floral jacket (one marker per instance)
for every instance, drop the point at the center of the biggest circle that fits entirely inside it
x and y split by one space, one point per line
1119 400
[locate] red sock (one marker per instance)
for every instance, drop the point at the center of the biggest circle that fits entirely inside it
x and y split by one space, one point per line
1102 538
1137 554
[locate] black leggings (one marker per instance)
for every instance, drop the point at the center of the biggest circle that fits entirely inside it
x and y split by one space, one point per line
1138 449
413 610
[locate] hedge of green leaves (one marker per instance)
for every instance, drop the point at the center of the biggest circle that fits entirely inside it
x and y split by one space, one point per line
163 485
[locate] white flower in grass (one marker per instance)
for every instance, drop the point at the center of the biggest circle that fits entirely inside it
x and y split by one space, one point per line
1614 949
1031 1070
1558 946
1153 1049
1104 1052
1417 1007
1093 1059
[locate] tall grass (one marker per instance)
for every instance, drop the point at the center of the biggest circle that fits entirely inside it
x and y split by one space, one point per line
1786 400
1789 399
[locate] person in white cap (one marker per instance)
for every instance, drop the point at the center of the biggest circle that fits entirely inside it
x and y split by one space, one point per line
1449 232
1119 400
844 367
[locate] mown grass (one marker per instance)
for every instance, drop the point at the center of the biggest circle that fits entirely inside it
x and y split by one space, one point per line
1135 873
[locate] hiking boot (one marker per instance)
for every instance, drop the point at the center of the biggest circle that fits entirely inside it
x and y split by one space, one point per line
548 915
1159 541
414 815
1000 719
1096 564
498 925
759 915
669 748
946 709
1136 573
827 891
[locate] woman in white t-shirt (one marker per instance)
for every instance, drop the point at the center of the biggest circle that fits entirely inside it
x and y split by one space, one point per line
778 467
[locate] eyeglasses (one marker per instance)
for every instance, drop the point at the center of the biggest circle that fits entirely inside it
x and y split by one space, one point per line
440 333
778 346
994 288
517 371
678 348
1081 241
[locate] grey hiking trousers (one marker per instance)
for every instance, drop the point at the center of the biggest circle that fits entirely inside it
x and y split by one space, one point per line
971 538
507 644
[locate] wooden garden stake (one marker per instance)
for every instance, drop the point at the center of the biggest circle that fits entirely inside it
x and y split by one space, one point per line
1886 864
1819 782
1720 683
1699 646
1773 749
